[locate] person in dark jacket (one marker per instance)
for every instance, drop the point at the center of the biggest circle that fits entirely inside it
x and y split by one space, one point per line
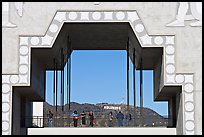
91 118
120 118
83 118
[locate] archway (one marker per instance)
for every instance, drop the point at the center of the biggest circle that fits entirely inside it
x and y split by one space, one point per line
165 68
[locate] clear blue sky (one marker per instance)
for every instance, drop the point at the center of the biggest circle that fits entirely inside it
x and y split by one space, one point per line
99 76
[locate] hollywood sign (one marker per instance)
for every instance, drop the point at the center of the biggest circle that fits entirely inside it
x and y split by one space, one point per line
112 107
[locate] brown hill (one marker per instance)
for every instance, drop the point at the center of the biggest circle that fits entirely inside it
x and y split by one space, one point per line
149 117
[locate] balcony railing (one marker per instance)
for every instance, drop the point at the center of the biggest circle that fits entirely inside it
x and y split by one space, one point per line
139 121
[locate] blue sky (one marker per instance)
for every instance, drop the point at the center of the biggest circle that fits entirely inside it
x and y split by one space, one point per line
99 76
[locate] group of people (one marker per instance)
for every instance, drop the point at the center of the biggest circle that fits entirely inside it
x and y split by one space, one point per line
119 116
83 118
75 117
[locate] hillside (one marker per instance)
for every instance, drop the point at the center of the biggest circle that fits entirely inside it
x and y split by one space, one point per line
149 117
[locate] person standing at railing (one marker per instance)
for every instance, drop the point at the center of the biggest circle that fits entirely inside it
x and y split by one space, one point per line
50 118
75 118
91 118
110 119
127 118
120 118
83 119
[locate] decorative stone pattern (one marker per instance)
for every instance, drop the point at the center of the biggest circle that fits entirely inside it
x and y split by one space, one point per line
26 43
168 41
24 68
6 103
14 80
189 104
195 9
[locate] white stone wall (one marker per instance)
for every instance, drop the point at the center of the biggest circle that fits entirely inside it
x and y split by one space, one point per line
183 47
38 113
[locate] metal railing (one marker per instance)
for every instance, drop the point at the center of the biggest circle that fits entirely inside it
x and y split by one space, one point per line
39 121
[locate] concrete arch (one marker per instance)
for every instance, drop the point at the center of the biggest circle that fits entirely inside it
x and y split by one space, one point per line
168 72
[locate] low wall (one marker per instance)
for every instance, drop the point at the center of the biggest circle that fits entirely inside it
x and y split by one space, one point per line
102 131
